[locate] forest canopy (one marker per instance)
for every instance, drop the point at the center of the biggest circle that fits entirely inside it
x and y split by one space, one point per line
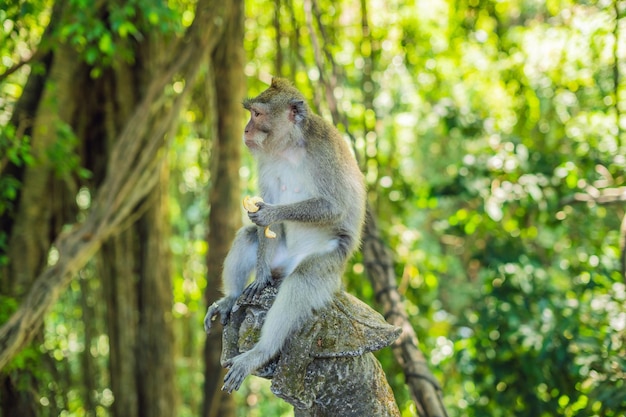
492 135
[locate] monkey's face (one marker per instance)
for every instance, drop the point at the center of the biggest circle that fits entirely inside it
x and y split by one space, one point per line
259 126
268 129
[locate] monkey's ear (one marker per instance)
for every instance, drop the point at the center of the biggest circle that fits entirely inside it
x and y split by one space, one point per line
298 111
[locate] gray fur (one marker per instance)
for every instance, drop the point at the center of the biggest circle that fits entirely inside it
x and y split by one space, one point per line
314 197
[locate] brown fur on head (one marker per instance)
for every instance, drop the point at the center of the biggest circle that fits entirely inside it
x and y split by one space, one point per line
280 95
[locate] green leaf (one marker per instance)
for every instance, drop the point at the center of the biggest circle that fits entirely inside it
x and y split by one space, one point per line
153 17
127 28
91 55
106 44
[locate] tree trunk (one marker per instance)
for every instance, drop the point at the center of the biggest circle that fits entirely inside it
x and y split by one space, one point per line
155 345
117 272
135 266
225 195
34 223
45 204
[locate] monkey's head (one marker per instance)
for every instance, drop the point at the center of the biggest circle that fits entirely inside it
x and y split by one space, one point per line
276 116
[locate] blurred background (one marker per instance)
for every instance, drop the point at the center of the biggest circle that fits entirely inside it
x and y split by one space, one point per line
492 134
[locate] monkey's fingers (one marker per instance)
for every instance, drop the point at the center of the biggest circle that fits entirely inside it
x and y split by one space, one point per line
211 314
223 307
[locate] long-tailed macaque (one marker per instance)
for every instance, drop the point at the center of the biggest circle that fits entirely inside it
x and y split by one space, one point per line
314 198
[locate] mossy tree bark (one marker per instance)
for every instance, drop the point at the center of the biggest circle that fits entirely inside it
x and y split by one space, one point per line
227 93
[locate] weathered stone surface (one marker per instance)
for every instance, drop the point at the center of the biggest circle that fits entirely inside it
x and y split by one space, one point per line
326 368
345 387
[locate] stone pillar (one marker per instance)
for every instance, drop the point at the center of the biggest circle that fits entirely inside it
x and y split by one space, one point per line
327 368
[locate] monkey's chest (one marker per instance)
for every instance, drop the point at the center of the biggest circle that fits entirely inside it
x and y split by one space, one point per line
285 180
290 190
287 184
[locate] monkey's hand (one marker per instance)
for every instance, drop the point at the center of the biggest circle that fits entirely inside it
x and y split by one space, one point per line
265 215
223 307
253 205
239 368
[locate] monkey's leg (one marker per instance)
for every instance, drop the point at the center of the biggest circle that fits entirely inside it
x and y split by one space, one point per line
239 263
310 286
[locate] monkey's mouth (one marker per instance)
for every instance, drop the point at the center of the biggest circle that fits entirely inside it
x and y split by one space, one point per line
251 144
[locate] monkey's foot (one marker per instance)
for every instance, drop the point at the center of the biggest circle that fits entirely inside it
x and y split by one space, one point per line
255 288
223 307
239 368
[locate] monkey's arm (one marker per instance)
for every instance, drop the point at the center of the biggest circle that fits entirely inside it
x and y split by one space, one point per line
266 250
313 210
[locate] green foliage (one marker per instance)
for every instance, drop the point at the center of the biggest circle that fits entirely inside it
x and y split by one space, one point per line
62 154
511 121
74 334
16 151
487 130
550 336
8 305
21 29
27 358
260 401
103 36
479 125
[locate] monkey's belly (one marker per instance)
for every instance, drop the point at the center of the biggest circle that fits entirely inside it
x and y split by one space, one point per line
302 241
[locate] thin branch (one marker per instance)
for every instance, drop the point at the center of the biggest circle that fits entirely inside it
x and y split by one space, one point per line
423 386
622 244
329 83
277 28
26 61
593 195
616 73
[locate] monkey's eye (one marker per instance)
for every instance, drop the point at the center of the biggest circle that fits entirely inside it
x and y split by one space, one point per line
256 113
